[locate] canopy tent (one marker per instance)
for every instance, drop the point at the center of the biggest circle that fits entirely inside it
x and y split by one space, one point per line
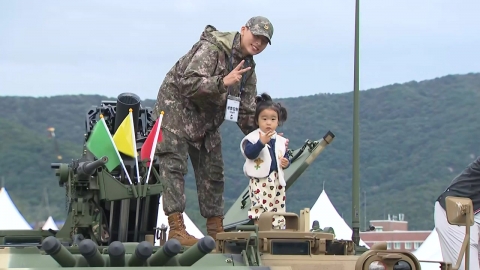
163 219
10 217
429 251
327 216
50 224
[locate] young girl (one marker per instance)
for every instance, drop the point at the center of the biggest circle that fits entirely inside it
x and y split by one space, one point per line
266 158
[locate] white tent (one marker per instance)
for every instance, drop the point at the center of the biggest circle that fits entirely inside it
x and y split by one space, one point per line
327 216
163 219
430 251
50 224
11 219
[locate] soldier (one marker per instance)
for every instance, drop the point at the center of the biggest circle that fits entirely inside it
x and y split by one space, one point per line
467 185
213 82
315 226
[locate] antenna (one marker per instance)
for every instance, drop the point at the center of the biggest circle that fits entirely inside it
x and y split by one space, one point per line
356 139
3 182
365 211
47 204
323 185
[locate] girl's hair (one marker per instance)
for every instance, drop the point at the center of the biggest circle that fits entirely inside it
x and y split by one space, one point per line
264 101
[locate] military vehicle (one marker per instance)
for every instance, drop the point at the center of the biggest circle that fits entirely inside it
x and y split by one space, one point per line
109 221
109 225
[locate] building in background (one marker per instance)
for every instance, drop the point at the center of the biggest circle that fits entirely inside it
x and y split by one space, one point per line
395 232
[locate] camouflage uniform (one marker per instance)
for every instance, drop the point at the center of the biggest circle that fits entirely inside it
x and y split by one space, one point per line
193 98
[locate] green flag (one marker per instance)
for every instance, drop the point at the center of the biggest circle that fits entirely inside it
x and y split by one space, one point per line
100 143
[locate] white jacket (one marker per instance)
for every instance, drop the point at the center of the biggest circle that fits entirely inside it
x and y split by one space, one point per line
260 167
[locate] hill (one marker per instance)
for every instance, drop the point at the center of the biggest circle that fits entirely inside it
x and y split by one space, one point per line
415 137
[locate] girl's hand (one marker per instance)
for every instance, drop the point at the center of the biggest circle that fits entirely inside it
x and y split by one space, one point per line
284 162
265 138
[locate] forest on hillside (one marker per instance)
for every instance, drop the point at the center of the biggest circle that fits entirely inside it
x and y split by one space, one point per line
415 137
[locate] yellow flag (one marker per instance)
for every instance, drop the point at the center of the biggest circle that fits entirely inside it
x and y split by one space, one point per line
124 137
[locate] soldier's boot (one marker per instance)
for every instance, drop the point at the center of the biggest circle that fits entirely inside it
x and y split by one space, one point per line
214 226
179 231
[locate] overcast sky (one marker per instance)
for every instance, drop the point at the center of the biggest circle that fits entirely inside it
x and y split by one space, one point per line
113 46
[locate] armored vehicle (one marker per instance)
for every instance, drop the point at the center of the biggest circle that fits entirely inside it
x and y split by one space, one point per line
108 224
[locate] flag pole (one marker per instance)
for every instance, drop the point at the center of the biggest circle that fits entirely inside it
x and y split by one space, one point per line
154 145
119 157
134 141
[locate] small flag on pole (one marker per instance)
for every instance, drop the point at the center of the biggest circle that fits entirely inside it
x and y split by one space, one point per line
155 136
100 144
125 140
124 137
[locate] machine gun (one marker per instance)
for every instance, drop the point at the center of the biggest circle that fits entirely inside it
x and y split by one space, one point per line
101 204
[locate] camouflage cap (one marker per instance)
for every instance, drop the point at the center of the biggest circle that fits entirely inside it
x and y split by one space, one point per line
261 26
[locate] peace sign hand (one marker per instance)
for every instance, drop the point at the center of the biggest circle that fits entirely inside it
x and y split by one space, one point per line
235 75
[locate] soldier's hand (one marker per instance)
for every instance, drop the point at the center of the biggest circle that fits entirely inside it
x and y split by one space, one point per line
235 75
265 138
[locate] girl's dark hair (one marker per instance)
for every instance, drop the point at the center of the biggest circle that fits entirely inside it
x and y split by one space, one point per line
264 101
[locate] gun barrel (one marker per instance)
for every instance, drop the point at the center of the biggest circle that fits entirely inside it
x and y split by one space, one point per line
89 167
126 101
91 254
171 248
116 252
59 253
142 252
55 165
197 251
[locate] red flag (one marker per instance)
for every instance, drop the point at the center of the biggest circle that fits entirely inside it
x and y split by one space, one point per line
148 145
